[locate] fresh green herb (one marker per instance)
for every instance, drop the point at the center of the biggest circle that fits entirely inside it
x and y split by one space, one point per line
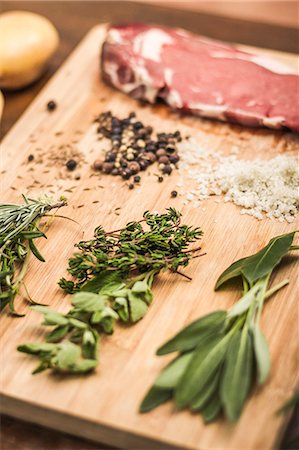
19 227
222 355
112 280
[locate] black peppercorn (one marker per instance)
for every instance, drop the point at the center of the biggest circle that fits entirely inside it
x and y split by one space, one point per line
110 157
138 125
151 147
167 169
51 105
143 164
123 163
131 186
173 194
71 164
174 159
30 158
160 179
170 149
137 179
114 171
126 174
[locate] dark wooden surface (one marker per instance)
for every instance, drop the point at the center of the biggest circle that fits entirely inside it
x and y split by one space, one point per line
73 20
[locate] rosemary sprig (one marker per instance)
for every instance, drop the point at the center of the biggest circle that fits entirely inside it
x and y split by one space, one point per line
112 280
222 355
19 227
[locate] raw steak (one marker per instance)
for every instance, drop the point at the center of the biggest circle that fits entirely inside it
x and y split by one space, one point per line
199 75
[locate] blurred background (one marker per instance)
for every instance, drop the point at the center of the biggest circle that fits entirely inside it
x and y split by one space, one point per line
270 24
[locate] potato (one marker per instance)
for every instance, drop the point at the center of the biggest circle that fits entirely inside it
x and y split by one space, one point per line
27 42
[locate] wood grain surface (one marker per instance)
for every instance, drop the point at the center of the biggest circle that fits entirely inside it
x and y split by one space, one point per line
103 406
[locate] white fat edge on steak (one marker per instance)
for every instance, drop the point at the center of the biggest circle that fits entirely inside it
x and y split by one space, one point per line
207 110
174 100
149 44
274 122
141 78
218 112
114 37
262 61
168 76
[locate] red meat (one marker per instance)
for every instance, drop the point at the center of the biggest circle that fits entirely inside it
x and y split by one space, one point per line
202 76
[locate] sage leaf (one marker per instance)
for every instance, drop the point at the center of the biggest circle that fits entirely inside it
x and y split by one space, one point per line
171 375
244 303
201 369
262 354
155 397
206 392
237 374
233 271
269 257
212 409
261 263
189 337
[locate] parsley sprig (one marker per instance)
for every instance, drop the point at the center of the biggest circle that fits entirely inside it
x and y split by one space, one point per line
112 280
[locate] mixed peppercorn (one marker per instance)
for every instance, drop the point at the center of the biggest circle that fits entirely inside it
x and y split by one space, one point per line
133 147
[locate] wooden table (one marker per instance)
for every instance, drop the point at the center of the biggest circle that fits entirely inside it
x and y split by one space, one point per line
73 20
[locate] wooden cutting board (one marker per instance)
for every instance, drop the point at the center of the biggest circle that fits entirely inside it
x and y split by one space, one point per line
103 406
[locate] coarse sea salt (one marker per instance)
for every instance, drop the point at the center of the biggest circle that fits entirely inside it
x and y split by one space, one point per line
263 188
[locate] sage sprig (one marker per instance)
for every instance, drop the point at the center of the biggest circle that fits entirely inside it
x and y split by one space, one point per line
223 354
19 227
112 280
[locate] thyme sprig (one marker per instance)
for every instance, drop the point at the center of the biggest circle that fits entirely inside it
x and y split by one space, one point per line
113 275
19 227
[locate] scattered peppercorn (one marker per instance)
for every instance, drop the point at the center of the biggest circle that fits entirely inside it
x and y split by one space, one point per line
131 186
71 164
167 169
163 160
137 179
133 147
173 194
107 167
30 158
51 105
160 179
98 164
